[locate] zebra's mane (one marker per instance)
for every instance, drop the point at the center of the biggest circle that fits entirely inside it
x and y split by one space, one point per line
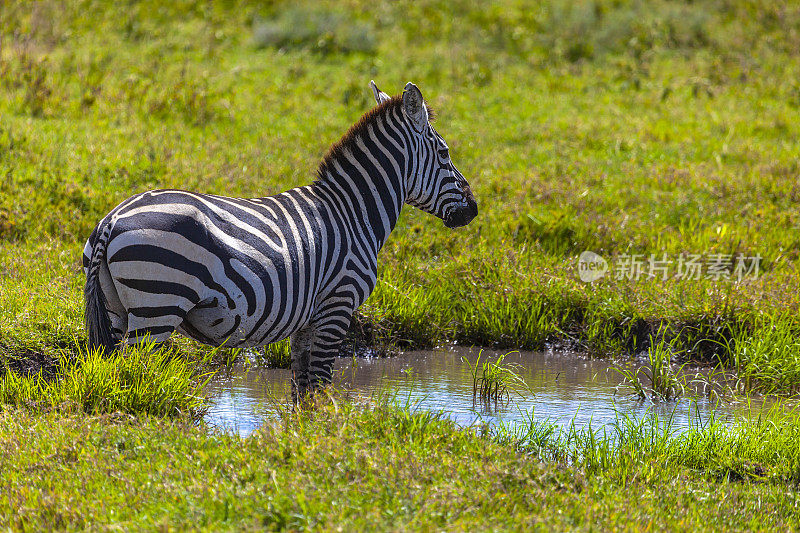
359 129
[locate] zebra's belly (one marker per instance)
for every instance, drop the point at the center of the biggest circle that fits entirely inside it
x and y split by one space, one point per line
217 325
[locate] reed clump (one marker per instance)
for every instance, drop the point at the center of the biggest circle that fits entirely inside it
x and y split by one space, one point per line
658 379
493 381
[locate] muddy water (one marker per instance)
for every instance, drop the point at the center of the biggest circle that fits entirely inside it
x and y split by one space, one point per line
561 387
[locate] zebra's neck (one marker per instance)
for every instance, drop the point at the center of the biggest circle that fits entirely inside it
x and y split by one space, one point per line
364 173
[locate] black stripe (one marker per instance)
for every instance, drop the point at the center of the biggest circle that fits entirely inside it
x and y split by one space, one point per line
196 335
152 286
236 322
155 330
156 312
207 304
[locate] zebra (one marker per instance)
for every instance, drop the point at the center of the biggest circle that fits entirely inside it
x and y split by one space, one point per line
239 272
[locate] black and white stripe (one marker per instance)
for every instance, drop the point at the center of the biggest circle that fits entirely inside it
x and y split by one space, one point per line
248 272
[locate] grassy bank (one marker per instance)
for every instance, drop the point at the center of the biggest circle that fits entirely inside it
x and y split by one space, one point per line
137 380
384 468
618 127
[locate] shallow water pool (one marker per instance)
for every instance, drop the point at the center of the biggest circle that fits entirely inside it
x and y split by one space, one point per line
561 387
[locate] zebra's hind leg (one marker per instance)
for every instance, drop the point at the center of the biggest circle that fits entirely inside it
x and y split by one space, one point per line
301 343
116 311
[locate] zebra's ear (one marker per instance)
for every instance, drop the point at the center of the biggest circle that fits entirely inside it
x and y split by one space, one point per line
414 107
380 96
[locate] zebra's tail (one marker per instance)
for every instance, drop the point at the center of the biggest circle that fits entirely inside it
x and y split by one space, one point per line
97 321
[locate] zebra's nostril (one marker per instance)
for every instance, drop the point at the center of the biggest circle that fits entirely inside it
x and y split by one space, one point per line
461 216
472 205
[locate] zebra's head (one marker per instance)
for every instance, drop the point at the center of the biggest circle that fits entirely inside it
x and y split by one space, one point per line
434 184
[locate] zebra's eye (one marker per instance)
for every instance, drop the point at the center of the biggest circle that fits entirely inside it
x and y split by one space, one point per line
444 154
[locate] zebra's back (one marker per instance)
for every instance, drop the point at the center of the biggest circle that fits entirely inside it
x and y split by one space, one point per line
243 272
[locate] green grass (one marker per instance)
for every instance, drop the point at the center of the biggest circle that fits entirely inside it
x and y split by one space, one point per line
378 467
137 380
619 127
494 381
768 358
275 355
756 448
658 380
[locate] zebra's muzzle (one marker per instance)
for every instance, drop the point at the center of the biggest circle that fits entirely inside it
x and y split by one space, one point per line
462 215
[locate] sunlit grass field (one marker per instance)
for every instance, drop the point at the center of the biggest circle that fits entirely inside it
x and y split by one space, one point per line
381 468
632 129
626 128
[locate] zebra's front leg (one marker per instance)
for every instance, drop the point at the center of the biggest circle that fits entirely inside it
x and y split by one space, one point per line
301 343
327 341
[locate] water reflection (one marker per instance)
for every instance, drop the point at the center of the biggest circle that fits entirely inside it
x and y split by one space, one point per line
562 387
